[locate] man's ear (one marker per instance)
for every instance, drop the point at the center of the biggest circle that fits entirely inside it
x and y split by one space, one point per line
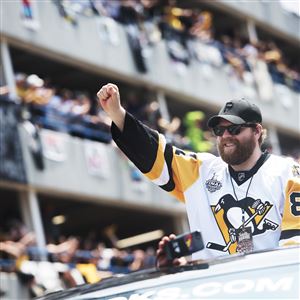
258 129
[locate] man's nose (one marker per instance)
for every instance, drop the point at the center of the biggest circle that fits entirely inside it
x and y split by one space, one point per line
226 134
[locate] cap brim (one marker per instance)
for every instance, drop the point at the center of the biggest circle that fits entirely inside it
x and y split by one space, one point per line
213 121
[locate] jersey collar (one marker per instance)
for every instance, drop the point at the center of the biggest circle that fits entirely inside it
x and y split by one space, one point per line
242 176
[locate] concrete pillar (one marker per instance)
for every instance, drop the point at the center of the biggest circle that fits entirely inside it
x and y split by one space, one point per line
8 70
252 34
163 106
32 216
181 224
273 137
25 210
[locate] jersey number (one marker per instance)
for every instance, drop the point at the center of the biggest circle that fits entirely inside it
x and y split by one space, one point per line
295 207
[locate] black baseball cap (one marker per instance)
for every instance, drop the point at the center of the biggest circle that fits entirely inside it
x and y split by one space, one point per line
238 111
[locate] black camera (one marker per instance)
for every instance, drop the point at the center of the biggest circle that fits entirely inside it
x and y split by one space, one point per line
184 244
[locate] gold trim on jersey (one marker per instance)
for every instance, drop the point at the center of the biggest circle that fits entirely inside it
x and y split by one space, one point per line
292 205
185 169
156 172
188 168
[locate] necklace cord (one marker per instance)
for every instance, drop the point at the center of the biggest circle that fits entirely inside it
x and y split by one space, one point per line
243 211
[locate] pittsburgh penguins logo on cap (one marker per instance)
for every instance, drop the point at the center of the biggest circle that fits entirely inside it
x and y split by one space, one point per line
228 106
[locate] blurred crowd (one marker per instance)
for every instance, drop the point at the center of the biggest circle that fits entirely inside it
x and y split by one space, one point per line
190 35
68 261
73 112
78 114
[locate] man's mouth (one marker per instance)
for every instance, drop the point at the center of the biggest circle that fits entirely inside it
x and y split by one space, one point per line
228 145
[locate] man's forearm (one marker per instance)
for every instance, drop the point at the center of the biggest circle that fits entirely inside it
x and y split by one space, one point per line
119 118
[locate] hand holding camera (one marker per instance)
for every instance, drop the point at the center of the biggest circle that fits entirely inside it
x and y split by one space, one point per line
172 249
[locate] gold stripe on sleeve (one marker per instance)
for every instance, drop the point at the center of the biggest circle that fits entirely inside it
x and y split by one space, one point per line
185 173
158 165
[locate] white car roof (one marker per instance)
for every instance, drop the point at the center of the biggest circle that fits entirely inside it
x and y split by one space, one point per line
271 273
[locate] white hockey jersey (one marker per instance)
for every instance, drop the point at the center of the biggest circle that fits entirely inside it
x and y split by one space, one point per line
217 199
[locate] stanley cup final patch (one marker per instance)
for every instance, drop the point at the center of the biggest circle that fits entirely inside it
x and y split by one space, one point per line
213 184
296 170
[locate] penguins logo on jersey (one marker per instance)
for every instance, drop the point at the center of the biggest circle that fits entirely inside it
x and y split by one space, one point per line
228 214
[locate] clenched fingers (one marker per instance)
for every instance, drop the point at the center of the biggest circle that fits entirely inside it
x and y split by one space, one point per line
107 91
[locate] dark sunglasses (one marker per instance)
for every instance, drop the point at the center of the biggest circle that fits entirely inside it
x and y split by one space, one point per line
232 129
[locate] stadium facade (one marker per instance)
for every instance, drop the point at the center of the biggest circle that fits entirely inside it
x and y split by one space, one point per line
90 183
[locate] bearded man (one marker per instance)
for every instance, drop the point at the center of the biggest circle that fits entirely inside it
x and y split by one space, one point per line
241 201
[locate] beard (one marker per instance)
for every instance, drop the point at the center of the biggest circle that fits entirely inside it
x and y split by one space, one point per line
240 154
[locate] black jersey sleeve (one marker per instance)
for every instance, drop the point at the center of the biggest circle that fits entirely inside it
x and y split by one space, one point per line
138 142
172 169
